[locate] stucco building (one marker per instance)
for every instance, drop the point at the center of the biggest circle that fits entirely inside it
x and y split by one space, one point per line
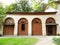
43 23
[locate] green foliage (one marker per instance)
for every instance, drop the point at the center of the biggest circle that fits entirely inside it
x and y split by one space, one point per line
39 7
12 8
24 6
2 14
49 1
19 6
52 4
9 8
2 9
56 41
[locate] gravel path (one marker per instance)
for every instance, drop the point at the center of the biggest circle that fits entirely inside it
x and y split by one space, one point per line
45 40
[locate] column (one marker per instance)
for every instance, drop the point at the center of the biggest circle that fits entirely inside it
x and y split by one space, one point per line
43 29
58 29
29 28
15 28
1 30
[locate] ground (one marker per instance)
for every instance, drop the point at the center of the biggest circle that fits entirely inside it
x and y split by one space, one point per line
46 40
17 41
28 40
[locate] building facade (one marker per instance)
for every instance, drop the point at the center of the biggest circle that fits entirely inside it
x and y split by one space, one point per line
45 23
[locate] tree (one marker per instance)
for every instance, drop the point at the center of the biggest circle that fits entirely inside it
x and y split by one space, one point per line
51 4
19 6
2 14
12 8
24 6
41 7
38 6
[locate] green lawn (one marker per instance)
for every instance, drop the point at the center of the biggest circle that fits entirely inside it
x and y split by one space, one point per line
56 41
18 41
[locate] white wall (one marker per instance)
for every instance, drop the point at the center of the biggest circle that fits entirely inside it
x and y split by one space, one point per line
31 17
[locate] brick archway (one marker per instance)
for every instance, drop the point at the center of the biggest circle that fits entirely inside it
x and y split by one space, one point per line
23 27
8 27
51 26
36 27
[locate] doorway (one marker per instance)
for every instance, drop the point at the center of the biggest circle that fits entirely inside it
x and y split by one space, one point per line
8 27
51 26
23 27
36 27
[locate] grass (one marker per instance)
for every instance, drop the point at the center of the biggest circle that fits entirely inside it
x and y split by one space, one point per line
17 41
56 41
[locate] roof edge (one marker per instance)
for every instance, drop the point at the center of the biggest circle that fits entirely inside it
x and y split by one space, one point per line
32 13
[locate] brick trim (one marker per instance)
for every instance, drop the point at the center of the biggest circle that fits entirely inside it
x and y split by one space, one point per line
32 13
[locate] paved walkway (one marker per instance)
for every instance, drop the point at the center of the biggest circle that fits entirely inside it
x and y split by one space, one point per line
45 40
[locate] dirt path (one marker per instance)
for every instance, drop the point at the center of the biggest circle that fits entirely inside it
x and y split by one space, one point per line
45 40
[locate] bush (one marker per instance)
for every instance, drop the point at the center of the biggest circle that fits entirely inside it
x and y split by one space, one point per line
58 34
56 41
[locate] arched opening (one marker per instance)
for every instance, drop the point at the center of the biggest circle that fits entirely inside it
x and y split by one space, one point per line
36 27
8 27
51 26
23 27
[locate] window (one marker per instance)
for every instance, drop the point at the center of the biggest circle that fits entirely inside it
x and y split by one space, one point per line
23 27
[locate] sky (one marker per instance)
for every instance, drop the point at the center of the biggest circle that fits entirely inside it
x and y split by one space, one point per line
7 2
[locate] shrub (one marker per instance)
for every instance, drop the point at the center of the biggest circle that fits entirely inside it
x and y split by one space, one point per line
56 41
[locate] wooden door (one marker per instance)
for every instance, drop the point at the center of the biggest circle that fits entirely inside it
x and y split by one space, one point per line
8 30
36 27
23 27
